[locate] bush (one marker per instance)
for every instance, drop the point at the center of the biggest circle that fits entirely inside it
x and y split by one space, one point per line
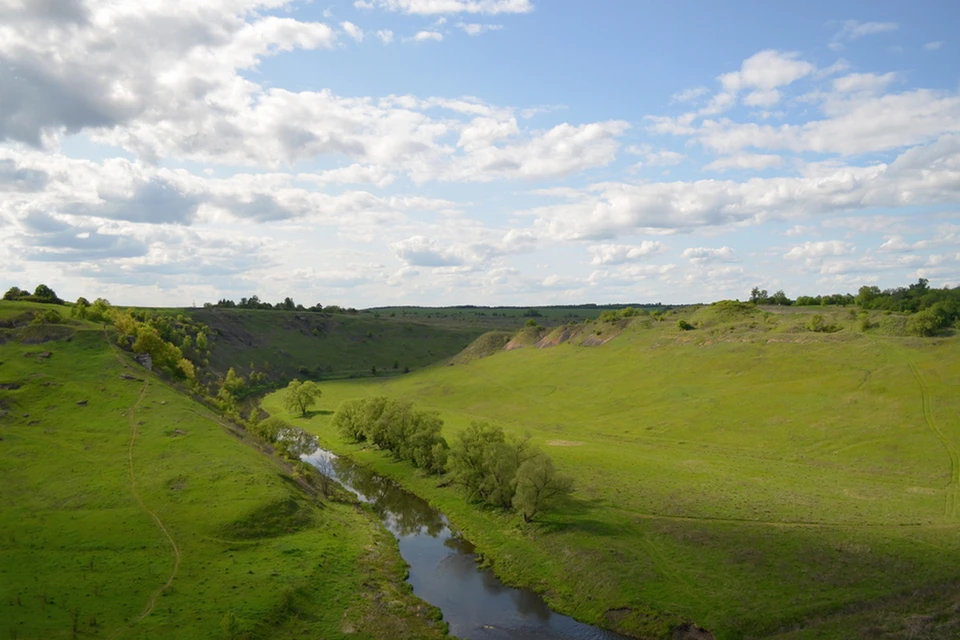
406 432
270 429
925 323
683 325
819 325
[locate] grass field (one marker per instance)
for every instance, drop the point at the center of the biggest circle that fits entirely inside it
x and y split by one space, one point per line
129 511
757 478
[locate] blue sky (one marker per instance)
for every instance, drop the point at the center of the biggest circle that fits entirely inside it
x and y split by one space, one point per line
378 152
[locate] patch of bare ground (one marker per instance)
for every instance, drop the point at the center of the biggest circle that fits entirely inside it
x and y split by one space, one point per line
563 443
691 632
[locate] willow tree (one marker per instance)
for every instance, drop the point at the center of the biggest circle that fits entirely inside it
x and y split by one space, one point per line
300 396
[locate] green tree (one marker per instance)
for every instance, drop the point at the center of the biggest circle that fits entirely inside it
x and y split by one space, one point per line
14 293
539 487
300 396
269 429
467 462
924 323
758 295
43 293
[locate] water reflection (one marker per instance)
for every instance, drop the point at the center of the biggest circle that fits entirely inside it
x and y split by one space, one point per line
443 566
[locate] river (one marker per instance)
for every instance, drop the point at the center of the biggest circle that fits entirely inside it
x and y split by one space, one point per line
443 566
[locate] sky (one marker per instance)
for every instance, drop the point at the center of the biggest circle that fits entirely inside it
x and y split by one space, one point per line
442 152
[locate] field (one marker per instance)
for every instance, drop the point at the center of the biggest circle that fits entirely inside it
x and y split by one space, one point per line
757 478
131 511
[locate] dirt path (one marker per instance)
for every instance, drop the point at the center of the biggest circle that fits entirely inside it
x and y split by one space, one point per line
950 500
152 601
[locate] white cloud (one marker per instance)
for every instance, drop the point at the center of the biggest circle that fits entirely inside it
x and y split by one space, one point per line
440 7
763 73
352 30
660 158
427 36
475 29
922 175
703 255
122 61
751 161
624 253
556 152
933 46
423 252
863 82
822 249
689 95
385 35
763 98
853 29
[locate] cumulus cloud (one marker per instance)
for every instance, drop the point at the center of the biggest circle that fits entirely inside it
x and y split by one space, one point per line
822 249
655 158
762 74
105 65
424 252
557 152
929 174
474 29
426 36
703 255
352 30
385 35
624 253
440 7
752 161
853 29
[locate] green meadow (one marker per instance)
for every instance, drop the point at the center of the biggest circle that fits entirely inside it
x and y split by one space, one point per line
749 475
131 511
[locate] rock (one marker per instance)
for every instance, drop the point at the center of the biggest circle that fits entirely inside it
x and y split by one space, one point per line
9 386
144 360
44 354
127 376
82 403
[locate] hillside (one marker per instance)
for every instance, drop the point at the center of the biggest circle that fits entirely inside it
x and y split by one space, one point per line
750 474
130 511
286 344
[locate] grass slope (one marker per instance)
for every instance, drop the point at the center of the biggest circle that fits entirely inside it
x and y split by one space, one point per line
329 346
752 476
128 511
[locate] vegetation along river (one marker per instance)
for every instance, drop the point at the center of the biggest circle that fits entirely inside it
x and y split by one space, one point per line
443 567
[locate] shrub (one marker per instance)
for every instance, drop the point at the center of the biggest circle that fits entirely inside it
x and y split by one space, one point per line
924 323
683 325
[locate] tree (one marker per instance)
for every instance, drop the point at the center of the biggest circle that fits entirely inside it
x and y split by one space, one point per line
780 298
300 396
539 486
924 323
43 293
14 293
758 295
468 457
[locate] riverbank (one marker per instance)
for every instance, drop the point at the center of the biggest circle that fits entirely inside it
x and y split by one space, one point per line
760 489
523 555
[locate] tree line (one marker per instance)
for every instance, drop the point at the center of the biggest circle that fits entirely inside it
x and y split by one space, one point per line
509 473
933 309
254 302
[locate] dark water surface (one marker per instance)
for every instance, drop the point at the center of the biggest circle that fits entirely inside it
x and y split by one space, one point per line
443 567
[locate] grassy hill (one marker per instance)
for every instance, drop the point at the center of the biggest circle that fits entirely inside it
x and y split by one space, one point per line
286 344
752 475
129 511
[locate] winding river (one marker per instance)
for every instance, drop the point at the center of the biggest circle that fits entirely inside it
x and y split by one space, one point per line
443 566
